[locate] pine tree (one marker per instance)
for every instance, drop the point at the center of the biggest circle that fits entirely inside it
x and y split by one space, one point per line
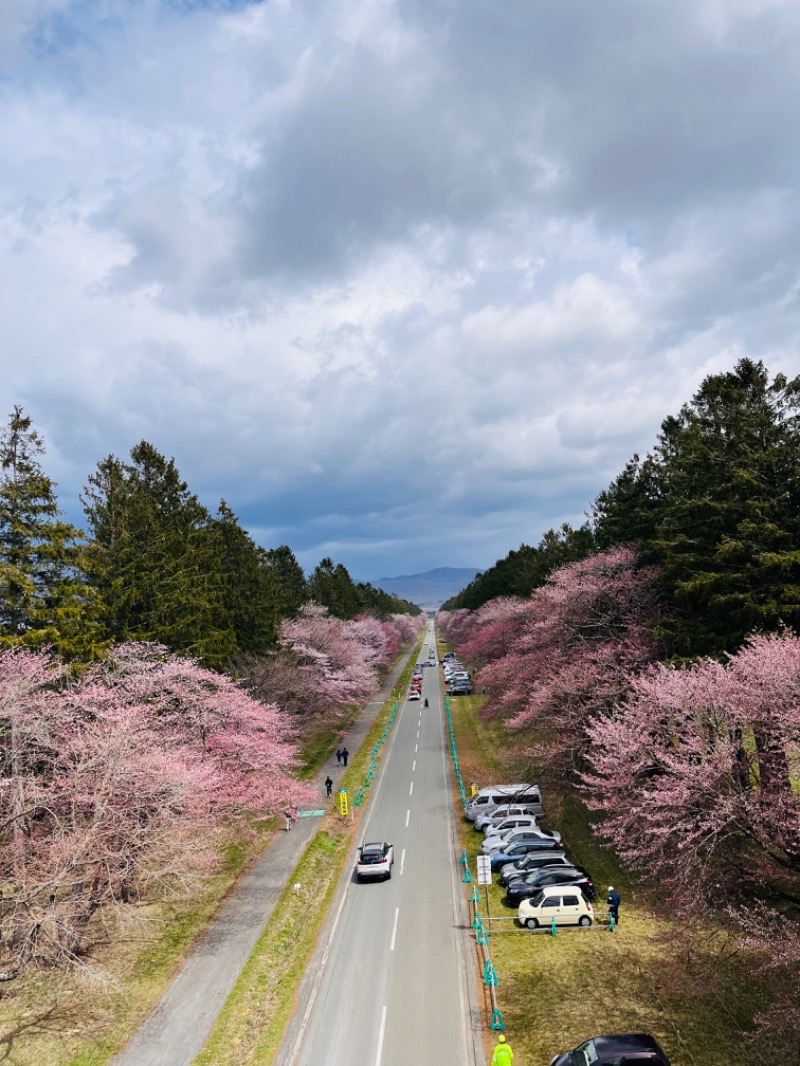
728 534
43 598
291 581
153 557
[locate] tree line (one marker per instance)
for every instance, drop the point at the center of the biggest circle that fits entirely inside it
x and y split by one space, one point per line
653 665
153 565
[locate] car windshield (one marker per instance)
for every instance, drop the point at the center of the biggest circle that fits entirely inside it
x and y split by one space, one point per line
536 901
585 1055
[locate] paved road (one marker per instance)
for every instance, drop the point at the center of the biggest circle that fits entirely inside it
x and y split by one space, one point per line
177 1028
389 985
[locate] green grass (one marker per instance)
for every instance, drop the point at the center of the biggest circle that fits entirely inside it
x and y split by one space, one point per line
692 988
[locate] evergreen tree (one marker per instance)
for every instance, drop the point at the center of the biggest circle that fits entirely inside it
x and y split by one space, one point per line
332 587
43 598
728 533
291 581
250 589
628 511
154 558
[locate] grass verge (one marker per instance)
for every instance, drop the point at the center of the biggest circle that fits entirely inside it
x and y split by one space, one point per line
690 987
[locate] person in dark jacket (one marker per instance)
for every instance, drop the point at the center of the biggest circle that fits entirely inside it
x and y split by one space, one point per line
328 785
338 757
613 901
345 755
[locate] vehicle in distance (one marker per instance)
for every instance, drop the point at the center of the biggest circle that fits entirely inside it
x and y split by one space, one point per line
493 795
614 1049
415 694
567 906
461 690
375 860
526 887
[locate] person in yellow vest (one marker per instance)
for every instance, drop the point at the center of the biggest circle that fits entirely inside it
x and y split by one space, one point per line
502 1054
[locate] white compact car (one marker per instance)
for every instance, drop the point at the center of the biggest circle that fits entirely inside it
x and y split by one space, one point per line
375 860
564 903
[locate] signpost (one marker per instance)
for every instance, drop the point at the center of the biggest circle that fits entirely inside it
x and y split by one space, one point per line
343 806
485 876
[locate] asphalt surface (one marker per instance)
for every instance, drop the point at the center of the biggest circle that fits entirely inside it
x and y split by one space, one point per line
177 1028
390 983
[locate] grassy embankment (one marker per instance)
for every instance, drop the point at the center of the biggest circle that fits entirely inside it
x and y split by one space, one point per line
81 1019
251 1024
692 989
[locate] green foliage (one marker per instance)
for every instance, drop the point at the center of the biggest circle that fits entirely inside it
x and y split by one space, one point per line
154 558
717 507
290 581
380 604
43 597
527 568
331 586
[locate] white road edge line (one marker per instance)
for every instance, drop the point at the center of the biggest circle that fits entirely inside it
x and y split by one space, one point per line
411 790
312 998
408 816
380 1037
402 860
394 930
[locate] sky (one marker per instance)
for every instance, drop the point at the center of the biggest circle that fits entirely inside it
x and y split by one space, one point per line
406 282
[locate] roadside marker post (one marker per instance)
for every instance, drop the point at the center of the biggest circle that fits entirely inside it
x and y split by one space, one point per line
343 804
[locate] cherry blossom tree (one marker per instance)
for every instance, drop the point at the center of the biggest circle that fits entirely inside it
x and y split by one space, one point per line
680 779
580 637
117 782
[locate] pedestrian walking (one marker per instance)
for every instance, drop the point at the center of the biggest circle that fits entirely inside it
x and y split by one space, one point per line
502 1054
328 785
289 815
613 902
345 755
338 757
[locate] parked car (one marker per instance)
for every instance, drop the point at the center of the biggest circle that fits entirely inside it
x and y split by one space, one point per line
616 1048
503 810
510 852
511 836
517 821
525 887
513 871
461 690
492 795
567 905
375 860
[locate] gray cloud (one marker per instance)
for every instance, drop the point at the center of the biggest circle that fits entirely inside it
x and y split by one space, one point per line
406 282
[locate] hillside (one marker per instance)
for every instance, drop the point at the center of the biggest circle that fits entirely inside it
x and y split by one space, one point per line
430 589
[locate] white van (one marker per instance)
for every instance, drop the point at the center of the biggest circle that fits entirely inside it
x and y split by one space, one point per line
494 795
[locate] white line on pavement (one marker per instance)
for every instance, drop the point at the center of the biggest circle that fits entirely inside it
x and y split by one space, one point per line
394 930
413 768
416 748
380 1037
408 815
402 860
411 790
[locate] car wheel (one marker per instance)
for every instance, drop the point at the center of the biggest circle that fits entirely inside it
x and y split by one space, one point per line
585 921
532 923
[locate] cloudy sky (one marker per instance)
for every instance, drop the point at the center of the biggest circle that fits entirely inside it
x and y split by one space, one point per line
405 281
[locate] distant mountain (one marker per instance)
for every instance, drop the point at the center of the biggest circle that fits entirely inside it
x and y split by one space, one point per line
431 589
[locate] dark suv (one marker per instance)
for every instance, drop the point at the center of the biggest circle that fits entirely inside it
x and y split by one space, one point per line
632 1049
528 886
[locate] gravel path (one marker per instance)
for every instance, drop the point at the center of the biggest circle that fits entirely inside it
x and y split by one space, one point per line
177 1028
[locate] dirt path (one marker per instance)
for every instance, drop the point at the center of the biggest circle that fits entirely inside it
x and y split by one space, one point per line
178 1026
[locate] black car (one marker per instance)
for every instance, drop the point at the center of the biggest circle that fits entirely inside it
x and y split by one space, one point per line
461 690
530 863
528 886
621 1049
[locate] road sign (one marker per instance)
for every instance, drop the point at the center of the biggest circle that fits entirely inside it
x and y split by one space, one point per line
484 870
343 802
